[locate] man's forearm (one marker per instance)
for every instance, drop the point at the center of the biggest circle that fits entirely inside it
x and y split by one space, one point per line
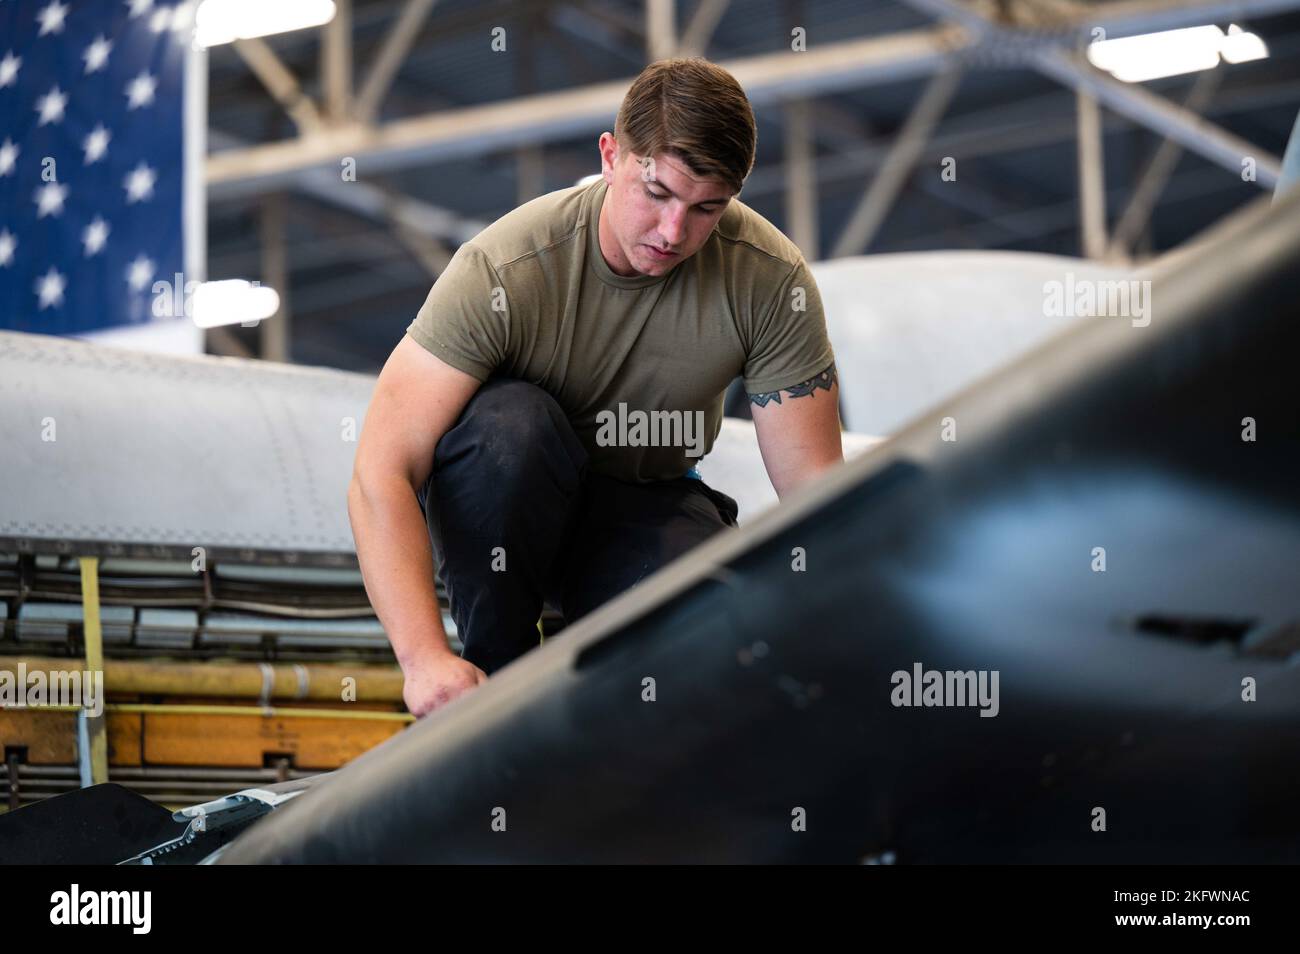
397 566
806 473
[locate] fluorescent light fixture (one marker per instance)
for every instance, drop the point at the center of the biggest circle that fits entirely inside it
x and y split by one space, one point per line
1149 56
1153 55
233 302
1241 47
224 21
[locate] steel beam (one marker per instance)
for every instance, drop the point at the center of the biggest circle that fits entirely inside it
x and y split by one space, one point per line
280 83
274 331
336 62
1042 221
1092 177
397 44
800 178
1147 191
1159 114
530 173
899 161
700 30
994 131
1129 99
430 253
767 78
660 29
370 201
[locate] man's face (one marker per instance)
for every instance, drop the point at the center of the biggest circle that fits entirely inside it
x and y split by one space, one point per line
654 203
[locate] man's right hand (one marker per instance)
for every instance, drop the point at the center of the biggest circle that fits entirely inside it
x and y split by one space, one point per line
437 680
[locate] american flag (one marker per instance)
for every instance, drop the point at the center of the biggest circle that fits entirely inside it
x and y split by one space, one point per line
91 169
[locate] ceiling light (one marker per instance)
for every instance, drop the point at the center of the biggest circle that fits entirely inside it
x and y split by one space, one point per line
224 21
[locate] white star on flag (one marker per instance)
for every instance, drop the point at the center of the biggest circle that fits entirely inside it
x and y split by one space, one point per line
51 106
95 235
9 69
162 18
96 54
138 275
139 184
50 198
8 156
139 92
49 288
51 18
96 144
59 229
183 18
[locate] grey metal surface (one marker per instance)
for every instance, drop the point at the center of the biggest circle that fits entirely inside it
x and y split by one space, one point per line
50 622
912 329
155 455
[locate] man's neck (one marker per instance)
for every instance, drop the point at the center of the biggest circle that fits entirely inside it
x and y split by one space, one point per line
609 247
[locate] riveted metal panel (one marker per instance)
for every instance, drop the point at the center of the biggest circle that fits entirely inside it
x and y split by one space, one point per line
122 453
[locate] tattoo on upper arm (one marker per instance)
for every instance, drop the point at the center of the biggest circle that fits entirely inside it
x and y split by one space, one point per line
823 380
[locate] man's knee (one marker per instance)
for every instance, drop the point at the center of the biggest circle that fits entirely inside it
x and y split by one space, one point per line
509 408
512 430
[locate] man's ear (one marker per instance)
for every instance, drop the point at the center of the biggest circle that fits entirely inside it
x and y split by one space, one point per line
608 146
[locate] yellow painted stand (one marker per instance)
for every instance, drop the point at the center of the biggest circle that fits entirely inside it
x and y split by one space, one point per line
95 732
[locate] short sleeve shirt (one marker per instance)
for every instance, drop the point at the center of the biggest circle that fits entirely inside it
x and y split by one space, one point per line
639 364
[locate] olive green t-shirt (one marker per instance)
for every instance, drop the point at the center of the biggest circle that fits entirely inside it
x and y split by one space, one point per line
640 365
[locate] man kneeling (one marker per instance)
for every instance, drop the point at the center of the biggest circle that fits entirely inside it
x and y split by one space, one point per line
487 449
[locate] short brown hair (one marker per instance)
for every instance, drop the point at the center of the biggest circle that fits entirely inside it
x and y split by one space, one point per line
694 110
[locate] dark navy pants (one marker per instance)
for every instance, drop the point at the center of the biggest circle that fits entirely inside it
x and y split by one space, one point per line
516 517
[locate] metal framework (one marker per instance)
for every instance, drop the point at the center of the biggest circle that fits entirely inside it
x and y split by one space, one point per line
767 78
821 143
1134 102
